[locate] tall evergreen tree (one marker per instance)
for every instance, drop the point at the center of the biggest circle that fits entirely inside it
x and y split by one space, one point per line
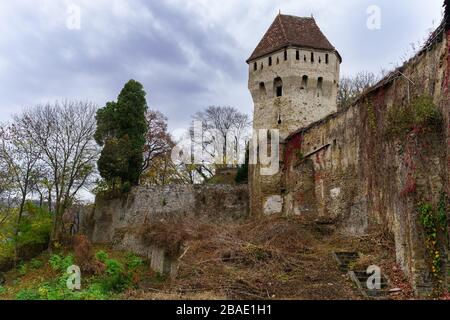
121 129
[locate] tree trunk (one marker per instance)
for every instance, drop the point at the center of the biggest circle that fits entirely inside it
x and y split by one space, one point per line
17 230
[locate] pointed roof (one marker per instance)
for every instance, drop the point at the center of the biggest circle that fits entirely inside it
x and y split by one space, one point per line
288 31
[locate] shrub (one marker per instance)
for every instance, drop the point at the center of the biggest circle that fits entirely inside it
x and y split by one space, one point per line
28 294
36 264
133 261
116 278
242 173
420 115
169 235
84 255
22 269
59 263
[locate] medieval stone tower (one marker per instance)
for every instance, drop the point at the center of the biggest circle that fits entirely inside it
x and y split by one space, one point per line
293 75
294 80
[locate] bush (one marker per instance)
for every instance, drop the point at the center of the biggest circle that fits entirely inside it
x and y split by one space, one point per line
420 115
84 256
134 262
242 173
59 263
169 235
36 264
116 278
28 294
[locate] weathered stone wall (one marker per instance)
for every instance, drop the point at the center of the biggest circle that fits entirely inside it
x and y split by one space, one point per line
144 205
119 221
347 169
309 93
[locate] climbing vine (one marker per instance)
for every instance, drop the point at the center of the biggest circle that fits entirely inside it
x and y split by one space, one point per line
371 117
434 223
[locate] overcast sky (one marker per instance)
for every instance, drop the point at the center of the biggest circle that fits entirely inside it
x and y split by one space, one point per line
187 53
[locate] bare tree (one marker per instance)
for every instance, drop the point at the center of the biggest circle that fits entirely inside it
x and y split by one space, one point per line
6 193
223 128
64 133
158 142
351 88
19 156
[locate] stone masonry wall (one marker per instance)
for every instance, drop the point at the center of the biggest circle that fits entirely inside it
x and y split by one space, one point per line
119 221
144 205
345 168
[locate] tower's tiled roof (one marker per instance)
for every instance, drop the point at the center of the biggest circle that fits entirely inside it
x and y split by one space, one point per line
291 31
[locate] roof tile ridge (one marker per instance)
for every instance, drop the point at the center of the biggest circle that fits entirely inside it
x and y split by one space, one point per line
282 28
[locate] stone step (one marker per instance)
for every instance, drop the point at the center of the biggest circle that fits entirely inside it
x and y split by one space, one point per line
344 259
360 278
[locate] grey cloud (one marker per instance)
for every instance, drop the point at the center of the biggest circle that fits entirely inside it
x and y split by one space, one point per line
184 62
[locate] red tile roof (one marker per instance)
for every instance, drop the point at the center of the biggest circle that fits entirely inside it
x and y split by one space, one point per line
294 31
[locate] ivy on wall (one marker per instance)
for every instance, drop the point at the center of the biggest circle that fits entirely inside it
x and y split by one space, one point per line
434 223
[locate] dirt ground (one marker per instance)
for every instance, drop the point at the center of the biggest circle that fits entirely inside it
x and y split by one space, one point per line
272 258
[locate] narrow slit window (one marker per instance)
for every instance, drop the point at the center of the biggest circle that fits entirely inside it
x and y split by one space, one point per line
327 59
262 66
304 82
297 55
255 66
270 61
312 57
285 55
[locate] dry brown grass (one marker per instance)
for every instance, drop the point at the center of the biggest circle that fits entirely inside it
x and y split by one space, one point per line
270 258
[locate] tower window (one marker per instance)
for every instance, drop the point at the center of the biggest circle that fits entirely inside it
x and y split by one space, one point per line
320 83
262 66
279 91
279 119
327 58
270 61
312 57
278 60
278 87
304 58
320 59
297 55
285 55
304 82
255 66
262 88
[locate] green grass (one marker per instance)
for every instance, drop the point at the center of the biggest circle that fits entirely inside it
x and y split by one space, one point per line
45 278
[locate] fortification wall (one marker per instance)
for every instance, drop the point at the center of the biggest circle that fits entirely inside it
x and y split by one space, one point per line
144 205
348 169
